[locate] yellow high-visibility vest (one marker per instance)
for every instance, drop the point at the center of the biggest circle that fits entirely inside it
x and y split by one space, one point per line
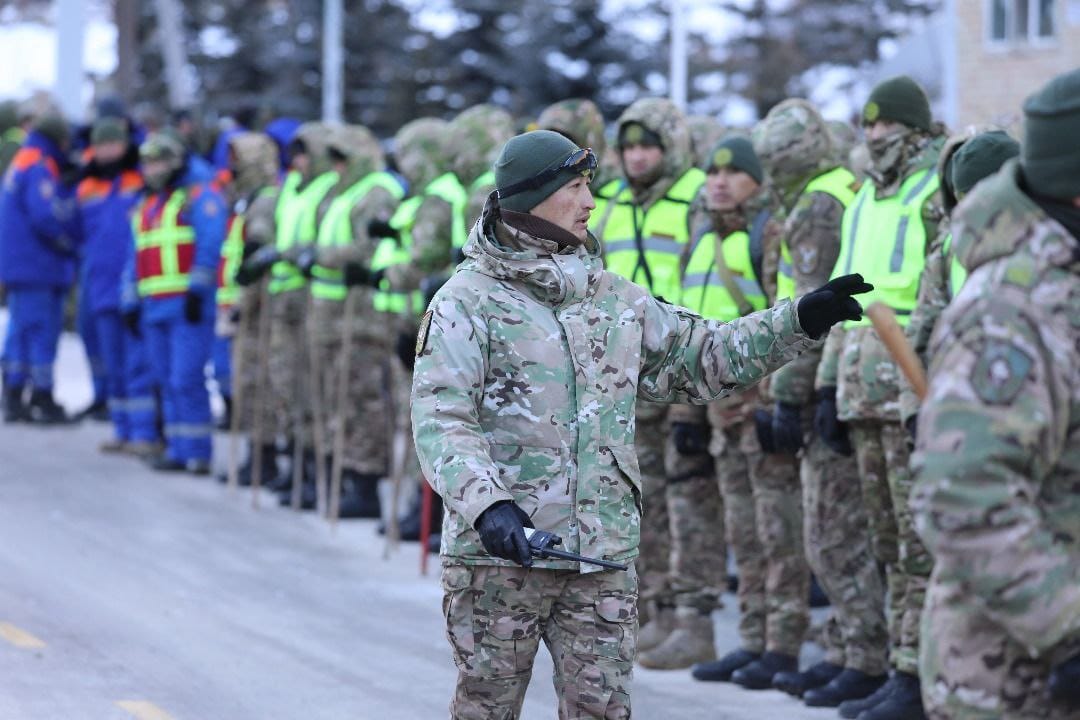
297 226
885 241
395 251
702 289
164 246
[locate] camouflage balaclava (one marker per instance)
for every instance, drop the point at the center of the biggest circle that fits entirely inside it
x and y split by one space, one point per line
900 100
477 135
254 162
663 119
360 149
795 144
419 150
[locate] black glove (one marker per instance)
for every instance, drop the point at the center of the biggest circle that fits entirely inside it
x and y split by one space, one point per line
690 438
406 349
827 425
763 426
356 274
430 285
132 316
382 229
502 531
193 306
305 261
820 309
787 427
1064 683
257 265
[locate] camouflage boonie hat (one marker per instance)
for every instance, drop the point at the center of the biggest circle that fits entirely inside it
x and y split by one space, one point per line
477 135
419 150
579 120
793 140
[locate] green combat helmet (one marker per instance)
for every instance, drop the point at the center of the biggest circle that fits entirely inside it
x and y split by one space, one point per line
794 142
419 149
477 135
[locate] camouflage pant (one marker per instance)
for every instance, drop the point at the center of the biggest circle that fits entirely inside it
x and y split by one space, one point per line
497 616
654 561
251 394
837 540
881 451
289 383
698 561
359 405
763 518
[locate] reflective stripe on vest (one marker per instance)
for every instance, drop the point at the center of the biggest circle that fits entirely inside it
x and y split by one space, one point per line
164 246
395 251
336 231
449 188
885 241
297 225
702 289
662 232
957 273
838 183
232 253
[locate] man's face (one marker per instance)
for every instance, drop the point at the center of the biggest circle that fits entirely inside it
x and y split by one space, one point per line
727 188
110 151
300 162
881 128
641 161
569 207
156 172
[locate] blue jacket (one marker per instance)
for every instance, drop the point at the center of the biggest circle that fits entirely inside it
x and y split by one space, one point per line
208 215
105 203
36 218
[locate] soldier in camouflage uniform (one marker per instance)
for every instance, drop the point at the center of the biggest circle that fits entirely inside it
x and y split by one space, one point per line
529 363
642 221
477 135
580 120
998 452
797 148
857 381
359 405
253 193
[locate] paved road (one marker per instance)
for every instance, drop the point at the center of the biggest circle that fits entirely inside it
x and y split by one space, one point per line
128 594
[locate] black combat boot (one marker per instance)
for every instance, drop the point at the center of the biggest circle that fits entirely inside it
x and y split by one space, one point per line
308 496
43 409
14 406
722 669
848 685
852 709
759 674
796 683
903 703
360 495
164 463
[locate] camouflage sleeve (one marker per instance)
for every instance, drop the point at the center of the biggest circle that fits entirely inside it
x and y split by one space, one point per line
259 223
932 300
829 367
812 232
771 241
992 428
432 245
448 383
686 358
377 204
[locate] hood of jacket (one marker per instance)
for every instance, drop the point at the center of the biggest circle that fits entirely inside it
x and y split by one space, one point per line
664 118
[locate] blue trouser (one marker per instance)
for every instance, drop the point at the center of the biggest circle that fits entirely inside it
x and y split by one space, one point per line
86 325
130 388
35 319
223 364
178 352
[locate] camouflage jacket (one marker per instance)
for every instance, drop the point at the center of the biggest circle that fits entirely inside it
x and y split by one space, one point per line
529 366
854 360
998 456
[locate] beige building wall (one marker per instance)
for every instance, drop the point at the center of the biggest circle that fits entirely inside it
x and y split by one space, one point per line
994 78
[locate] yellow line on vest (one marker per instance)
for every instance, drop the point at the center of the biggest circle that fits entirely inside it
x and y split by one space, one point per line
19 638
143 710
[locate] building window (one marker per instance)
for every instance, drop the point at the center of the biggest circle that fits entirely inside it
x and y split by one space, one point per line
1015 22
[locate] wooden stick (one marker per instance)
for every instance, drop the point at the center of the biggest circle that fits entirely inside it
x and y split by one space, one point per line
298 417
262 388
397 458
343 398
240 340
892 336
317 415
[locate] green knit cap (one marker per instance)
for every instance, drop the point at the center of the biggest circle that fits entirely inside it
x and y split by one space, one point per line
526 156
899 99
736 152
109 129
1050 155
979 158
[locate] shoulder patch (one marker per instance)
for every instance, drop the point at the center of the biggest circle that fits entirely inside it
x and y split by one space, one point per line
999 372
422 334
